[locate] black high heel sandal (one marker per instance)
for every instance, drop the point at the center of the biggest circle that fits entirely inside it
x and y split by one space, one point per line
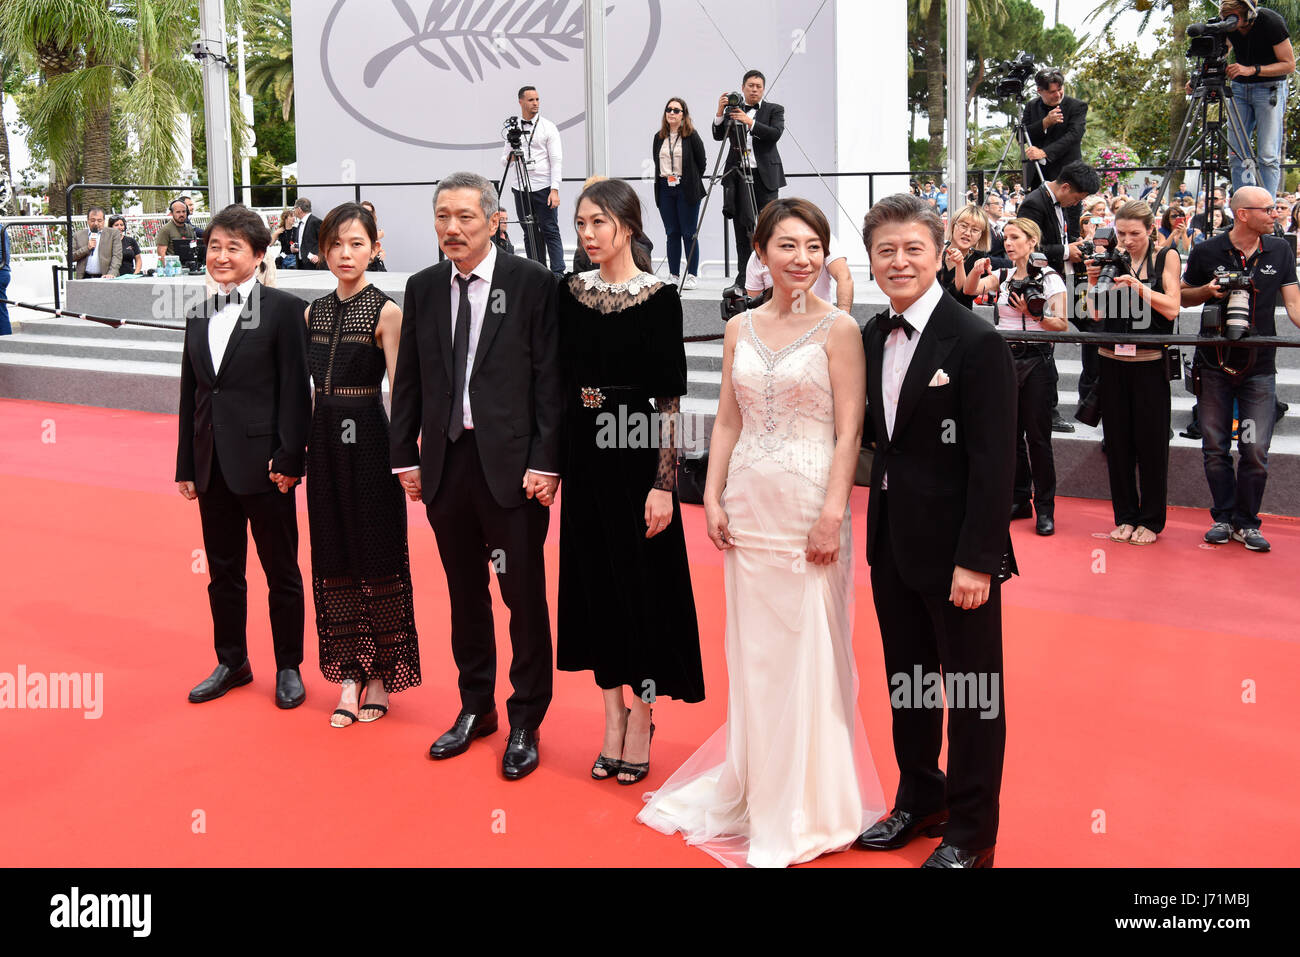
639 770
611 766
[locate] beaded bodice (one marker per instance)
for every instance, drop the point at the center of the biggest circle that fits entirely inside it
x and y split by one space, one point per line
787 411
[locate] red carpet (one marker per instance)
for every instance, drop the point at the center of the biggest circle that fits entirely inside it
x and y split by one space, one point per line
1129 742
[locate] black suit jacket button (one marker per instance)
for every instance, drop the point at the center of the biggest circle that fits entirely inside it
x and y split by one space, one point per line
216 391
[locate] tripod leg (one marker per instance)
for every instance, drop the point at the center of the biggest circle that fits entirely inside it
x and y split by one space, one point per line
1245 154
1179 152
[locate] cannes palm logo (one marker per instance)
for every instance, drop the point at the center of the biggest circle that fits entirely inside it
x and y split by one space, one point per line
380 59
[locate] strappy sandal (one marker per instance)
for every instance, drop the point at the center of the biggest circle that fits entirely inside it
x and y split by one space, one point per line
381 708
1121 537
611 766
638 770
349 714
1142 528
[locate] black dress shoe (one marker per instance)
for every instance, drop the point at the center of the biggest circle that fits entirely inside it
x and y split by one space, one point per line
1024 510
220 681
520 758
1045 525
467 727
945 855
899 828
289 692
1060 425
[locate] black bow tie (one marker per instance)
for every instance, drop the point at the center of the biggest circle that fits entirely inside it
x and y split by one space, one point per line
891 322
224 300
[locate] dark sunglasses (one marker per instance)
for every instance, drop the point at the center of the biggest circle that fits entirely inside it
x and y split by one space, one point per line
672 109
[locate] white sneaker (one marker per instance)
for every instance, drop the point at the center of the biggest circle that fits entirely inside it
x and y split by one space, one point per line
676 280
690 282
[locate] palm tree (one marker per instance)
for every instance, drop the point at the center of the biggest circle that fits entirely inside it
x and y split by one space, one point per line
926 18
271 59
9 66
51 31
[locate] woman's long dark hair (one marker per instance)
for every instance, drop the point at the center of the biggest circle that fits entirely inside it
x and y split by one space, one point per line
617 200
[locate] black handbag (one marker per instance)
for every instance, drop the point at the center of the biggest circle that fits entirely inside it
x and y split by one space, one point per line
692 470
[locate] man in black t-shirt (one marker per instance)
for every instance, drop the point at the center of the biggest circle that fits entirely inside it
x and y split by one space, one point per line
1261 45
1247 376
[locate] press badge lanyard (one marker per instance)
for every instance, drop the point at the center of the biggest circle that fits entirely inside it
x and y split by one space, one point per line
673 179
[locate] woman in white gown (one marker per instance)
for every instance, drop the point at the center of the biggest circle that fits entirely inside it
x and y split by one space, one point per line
789 776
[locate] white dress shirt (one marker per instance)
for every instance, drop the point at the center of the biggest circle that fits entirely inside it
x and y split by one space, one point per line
92 261
747 157
898 353
221 326
543 152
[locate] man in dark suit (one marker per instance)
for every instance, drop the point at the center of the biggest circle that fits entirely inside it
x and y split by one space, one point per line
245 410
1055 207
759 124
941 389
478 376
1055 124
306 235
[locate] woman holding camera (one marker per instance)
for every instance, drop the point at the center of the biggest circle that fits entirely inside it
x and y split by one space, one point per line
1134 380
1031 298
677 152
968 243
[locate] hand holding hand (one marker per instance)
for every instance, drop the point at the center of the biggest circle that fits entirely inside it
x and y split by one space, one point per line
969 589
540 487
410 480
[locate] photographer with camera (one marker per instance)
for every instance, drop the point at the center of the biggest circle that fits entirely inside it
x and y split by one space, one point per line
1031 298
1133 287
1261 44
761 124
1054 207
540 141
1055 125
1240 274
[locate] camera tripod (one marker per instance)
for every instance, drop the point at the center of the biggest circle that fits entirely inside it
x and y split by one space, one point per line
1210 108
1019 135
742 171
533 247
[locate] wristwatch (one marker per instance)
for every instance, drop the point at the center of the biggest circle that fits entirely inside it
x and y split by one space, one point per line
1258 68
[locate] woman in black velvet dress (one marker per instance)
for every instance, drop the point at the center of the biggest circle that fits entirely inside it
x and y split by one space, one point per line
361 575
626 609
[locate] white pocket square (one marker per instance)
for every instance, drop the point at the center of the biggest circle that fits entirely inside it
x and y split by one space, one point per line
940 378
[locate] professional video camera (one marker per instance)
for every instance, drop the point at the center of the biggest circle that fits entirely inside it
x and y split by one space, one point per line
1209 46
1016 73
513 132
1031 287
735 301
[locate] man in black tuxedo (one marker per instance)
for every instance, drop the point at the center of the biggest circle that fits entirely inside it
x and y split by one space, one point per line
941 389
760 123
1055 124
306 235
478 375
245 409
1055 207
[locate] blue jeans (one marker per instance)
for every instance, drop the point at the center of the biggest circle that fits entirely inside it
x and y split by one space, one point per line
1264 119
680 217
1237 497
5 328
548 224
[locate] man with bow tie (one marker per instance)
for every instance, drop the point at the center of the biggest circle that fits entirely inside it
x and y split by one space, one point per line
544 155
941 397
761 123
245 408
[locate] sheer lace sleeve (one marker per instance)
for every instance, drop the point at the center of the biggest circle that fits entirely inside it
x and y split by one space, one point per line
669 409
